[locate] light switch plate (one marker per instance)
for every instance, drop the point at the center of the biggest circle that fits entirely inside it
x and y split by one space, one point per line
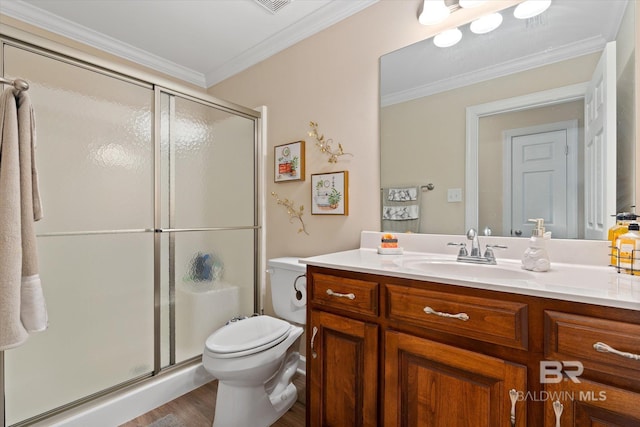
454 195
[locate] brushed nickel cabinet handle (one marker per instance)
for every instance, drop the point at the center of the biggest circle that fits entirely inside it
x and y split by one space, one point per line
339 295
513 395
604 348
460 316
313 338
557 409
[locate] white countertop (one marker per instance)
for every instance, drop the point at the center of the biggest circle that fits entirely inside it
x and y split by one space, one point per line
591 284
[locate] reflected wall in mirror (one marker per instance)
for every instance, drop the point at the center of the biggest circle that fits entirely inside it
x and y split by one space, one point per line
463 117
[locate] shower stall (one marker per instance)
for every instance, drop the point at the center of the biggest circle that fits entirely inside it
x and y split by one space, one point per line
151 230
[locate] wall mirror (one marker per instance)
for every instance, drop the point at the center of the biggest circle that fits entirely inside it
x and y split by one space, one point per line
497 124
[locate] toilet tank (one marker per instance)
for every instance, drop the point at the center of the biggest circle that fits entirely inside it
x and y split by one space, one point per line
287 275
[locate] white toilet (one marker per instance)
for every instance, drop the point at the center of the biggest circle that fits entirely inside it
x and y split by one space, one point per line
255 359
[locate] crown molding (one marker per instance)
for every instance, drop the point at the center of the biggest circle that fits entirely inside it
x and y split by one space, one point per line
584 47
323 18
63 27
319 20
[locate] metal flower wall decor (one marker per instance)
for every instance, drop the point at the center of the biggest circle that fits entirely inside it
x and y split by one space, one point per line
325 144
292 211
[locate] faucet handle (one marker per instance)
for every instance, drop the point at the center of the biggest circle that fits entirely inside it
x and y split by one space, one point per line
488 253
463 248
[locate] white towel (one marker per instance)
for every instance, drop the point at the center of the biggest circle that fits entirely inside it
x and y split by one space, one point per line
22 306
403 194
400 213
400 209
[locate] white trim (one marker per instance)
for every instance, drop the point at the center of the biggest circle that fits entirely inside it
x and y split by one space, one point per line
262 200
475 112
584 47
325 17
122 407
50 22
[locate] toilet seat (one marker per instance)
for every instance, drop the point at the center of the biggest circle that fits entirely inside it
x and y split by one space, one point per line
246 337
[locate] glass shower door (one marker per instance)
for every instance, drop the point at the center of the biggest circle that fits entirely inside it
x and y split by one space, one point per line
95 242
150 231
208 193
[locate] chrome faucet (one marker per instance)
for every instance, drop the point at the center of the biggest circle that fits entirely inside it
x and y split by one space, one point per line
472 235
475 256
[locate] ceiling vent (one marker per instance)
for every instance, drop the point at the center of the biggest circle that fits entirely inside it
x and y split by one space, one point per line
273 6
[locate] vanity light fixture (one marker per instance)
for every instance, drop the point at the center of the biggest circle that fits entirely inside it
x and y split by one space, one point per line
433 12
448 38
486 24
530 8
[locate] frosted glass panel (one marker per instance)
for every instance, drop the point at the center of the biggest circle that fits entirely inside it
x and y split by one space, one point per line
94 145
99 293
214 167
202 303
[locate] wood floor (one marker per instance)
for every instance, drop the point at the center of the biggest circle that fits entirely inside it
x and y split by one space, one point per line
196 409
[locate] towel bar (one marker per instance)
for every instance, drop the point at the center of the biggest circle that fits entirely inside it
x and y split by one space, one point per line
18 84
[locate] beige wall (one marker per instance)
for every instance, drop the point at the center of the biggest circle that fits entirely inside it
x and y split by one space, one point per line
331 78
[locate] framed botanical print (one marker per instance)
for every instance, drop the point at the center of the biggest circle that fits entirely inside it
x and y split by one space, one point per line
289 162
330 193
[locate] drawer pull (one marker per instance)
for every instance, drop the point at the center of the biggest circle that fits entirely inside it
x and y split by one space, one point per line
557 409
604 348
513 395
339 295
313 338
460 316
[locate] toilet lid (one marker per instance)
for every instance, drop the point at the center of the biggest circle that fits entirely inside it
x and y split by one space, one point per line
248 336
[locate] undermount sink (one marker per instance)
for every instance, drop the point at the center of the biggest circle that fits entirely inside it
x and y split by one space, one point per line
449 268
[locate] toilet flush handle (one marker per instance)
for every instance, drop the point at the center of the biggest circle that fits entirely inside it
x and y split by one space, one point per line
295 287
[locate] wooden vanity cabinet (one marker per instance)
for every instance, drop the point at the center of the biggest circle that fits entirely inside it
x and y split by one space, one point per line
432 384
342 352
609 355
386 351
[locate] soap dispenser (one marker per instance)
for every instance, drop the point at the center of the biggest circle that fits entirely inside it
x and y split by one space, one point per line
536 257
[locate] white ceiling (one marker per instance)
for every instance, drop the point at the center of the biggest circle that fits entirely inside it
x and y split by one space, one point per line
199 41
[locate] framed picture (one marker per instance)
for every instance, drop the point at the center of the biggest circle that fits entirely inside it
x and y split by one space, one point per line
330 193
289 162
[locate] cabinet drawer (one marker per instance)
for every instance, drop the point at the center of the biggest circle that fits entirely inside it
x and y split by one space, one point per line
354 295
499 322
572 337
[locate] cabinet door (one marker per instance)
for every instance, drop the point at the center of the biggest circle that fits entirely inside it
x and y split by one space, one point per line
343 375
590 404
429 384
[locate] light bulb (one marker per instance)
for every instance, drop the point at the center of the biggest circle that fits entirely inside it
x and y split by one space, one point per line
486 24
530 8
433 12
448 38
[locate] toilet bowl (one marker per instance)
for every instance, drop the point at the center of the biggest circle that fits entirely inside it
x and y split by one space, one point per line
255 359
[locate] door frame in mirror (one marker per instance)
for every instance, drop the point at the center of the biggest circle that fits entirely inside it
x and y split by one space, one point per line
544 98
